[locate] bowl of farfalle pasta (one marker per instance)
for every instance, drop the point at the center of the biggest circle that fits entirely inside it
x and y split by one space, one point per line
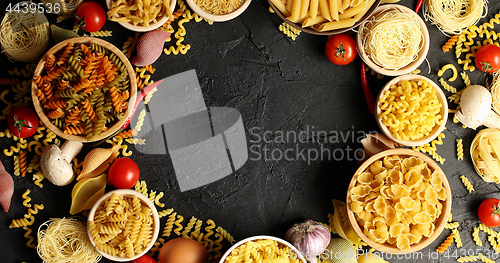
82 89
411 110
123 225
399 201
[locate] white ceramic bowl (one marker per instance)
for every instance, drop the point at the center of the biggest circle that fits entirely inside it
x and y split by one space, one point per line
144 201
228 252
437 129
156 25
422 54
218 18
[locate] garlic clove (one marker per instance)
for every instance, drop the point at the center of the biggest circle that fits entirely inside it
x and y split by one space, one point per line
310 238
475 104
375 143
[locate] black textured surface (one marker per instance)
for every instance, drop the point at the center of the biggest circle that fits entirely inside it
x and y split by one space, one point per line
278 85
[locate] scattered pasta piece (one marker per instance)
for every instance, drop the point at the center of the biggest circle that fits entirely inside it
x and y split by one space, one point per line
169 225
288 31
446 244
26 198
467 183
450 43
447 86
475 236
453 69
104 33
460 149
456 235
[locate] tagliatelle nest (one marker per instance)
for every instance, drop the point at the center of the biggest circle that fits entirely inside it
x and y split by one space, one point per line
485 151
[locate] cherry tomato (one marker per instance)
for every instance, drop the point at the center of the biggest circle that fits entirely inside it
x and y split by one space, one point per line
144 259
92 14
489 212
487 58
341 49
123 173
23 121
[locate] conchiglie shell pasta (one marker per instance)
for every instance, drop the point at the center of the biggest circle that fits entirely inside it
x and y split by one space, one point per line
86 192
97 161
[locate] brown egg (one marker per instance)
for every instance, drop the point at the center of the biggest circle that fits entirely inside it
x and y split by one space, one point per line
183 250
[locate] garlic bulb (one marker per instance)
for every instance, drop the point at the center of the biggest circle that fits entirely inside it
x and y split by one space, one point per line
310 238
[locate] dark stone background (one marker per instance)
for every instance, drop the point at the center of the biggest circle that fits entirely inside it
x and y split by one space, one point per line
278 85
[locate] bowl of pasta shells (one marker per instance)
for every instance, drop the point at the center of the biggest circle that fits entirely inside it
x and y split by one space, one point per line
123 225
322 17
399 201
141 15
411 110
82 89
263 249
393 41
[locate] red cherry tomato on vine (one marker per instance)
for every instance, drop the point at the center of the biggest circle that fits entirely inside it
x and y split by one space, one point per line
123 173
341 49
22 121
144 259
489 212
90 16
487 58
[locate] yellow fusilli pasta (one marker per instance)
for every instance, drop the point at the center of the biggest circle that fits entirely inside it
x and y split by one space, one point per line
475 236
460 149
467 183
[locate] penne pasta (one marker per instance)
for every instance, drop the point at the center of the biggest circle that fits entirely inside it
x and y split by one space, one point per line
314 8
304 7
296 10
325 10
337 24
314 21
281 6
334 10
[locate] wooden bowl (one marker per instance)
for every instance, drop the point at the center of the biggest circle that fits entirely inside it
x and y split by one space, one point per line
218 18
80 40
437 128
135 28
422 54
440 222
279 240
325 33
144 201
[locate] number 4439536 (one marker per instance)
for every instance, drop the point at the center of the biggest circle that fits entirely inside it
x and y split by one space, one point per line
34 8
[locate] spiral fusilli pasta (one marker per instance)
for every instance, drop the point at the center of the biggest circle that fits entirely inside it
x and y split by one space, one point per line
446 244
475 236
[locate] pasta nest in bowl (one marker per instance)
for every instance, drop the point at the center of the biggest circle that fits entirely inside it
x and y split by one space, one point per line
399 201
82 88
318 17
263 248
411 110
218 10
123 225
393 41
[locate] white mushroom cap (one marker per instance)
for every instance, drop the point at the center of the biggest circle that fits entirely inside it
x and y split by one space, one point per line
475 105
55 167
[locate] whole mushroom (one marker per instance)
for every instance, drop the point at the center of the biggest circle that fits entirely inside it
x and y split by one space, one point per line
56 163
475 106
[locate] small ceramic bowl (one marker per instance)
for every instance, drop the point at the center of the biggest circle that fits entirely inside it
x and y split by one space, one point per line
325 33
440 222
145 202
295 252
218 18
437 128
40 69
138 28
422 54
